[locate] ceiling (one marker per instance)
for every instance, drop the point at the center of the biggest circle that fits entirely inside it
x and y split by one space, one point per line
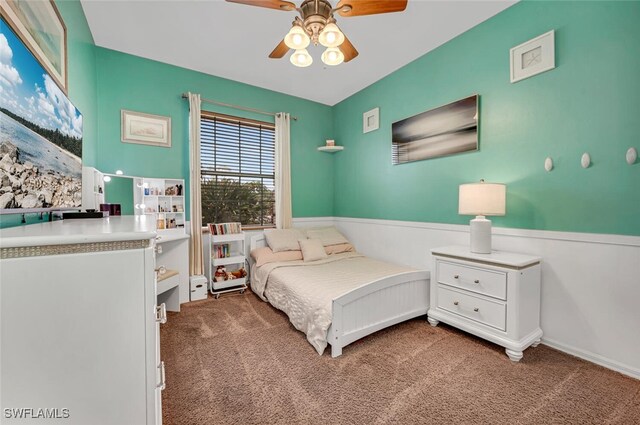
233 41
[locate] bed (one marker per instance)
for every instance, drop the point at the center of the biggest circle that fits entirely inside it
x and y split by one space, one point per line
341 298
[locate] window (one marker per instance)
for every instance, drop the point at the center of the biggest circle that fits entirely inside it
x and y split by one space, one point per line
237 160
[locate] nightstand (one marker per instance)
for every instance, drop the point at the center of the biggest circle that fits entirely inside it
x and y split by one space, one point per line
494 296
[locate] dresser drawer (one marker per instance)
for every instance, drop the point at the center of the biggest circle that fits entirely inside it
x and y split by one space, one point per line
491 313
482 281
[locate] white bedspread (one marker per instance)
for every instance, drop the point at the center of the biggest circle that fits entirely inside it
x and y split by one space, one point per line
305 291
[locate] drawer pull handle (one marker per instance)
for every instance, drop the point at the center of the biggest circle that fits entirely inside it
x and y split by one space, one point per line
161 313
476 281
456 303
476 309
456 277
163 383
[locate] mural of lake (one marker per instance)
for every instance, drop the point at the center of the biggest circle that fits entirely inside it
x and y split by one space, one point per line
38 150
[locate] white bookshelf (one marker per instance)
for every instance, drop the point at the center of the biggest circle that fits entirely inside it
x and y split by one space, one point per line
162 198
92 188
228 251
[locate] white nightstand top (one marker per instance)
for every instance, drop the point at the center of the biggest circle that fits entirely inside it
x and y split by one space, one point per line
508 259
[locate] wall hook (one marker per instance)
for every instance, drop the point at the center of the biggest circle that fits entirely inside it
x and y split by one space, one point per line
585 161
632 156
548 164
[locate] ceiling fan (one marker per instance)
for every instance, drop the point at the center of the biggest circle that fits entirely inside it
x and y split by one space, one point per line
316 24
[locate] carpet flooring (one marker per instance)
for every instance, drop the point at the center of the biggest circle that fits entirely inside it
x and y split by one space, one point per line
237 360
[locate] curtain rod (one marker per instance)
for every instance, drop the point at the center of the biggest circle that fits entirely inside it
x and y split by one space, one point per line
242 108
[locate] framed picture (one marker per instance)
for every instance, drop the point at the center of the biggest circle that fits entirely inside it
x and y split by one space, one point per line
442 131
145 129
533 57
371 120
40 27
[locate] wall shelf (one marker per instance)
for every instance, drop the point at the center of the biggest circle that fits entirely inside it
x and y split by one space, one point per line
330 149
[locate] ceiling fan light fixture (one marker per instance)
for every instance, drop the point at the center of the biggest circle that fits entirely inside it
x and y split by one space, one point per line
331 36
332 56
301 58
296 38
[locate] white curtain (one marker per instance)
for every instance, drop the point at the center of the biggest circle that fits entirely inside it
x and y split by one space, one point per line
283 172
196 262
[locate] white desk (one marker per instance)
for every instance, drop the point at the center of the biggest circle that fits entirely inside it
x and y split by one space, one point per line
173 254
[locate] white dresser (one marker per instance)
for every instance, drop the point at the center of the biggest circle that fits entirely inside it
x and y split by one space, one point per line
79 324
494 296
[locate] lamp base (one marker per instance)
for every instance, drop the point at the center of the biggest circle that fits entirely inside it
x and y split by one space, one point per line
480 235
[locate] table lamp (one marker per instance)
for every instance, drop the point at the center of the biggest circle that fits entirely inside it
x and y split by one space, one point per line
481 199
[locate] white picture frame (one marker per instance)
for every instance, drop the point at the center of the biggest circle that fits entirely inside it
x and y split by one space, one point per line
371 120
145 129
533 57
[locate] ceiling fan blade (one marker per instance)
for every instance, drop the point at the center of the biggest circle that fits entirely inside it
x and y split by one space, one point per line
271 4
370 7
348 50
280 50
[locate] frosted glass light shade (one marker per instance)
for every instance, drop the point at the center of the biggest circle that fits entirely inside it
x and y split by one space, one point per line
331 36
333 56
301 58
482 199
296 38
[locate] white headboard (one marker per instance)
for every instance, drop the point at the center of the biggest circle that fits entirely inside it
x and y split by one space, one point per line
258 241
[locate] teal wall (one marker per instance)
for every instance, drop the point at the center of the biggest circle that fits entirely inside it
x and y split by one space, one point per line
588 103
134 83
82 84
120 191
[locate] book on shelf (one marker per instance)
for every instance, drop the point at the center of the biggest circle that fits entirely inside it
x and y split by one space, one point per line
222 251
224 228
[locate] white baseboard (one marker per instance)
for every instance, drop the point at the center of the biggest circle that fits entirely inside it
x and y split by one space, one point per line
593 358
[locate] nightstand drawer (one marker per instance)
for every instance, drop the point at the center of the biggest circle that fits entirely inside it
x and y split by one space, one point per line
487 282
491 313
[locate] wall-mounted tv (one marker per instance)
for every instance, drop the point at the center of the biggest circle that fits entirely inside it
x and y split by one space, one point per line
40 135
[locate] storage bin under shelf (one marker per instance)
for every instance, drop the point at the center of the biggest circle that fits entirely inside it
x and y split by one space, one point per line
236 259
224 284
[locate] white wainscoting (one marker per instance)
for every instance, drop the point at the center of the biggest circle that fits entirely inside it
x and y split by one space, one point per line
590 303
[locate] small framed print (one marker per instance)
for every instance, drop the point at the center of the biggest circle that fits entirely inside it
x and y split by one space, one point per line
371 120
146 129
533 57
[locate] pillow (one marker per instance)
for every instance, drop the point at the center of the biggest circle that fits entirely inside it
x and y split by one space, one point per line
284 239
266 255
339 248
328 235
312 249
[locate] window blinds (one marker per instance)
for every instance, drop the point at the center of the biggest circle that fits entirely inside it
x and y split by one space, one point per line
237 159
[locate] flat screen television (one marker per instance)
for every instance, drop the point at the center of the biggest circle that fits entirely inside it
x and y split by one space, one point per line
40 135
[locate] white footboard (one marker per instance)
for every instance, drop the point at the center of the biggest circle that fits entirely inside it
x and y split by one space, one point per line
377 305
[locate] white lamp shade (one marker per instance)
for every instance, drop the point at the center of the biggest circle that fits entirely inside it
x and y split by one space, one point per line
333 56
482 199
331 36
301 58
296 38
